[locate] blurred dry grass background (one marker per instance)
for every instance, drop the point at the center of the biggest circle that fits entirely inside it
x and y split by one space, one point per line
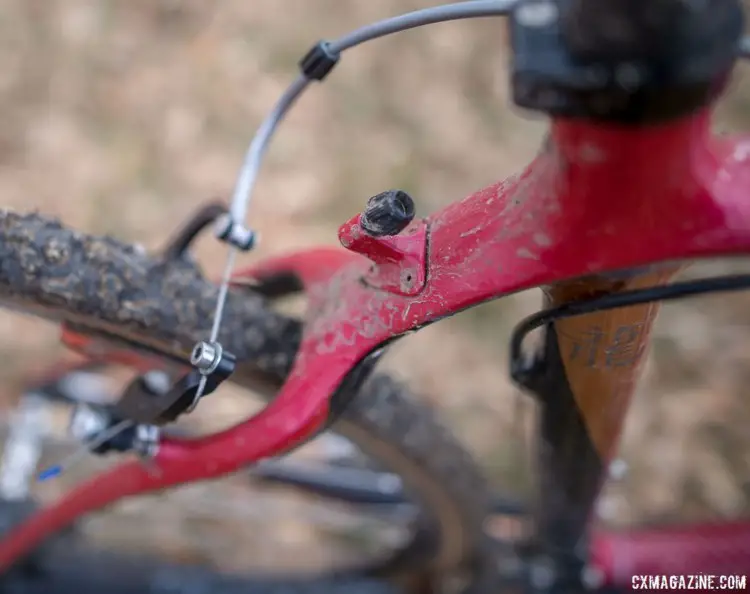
120 117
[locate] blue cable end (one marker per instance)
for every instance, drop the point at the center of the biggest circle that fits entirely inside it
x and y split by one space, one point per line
51 472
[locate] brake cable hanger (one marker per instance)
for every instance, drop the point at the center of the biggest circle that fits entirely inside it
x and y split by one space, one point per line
316 65
212 363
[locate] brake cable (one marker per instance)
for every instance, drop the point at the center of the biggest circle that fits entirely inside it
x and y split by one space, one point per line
209 356
316 65
211 361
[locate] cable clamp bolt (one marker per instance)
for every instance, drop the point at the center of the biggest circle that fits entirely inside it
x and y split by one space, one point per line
206 357
233 233
210 358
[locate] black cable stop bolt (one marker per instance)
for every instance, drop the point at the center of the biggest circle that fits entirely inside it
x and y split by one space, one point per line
387 213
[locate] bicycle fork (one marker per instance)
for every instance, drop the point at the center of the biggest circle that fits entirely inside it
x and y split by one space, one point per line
584 376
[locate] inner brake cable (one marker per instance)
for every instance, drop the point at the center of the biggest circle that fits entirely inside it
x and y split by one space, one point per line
314 66
212 363
208 357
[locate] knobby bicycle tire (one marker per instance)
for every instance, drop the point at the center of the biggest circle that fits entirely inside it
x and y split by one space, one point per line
165 305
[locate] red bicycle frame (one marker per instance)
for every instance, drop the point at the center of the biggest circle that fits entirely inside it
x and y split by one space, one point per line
602 208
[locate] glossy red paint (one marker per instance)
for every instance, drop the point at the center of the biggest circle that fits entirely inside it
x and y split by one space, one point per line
398 262
596 199
177 462
181 461
714 549
311 267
